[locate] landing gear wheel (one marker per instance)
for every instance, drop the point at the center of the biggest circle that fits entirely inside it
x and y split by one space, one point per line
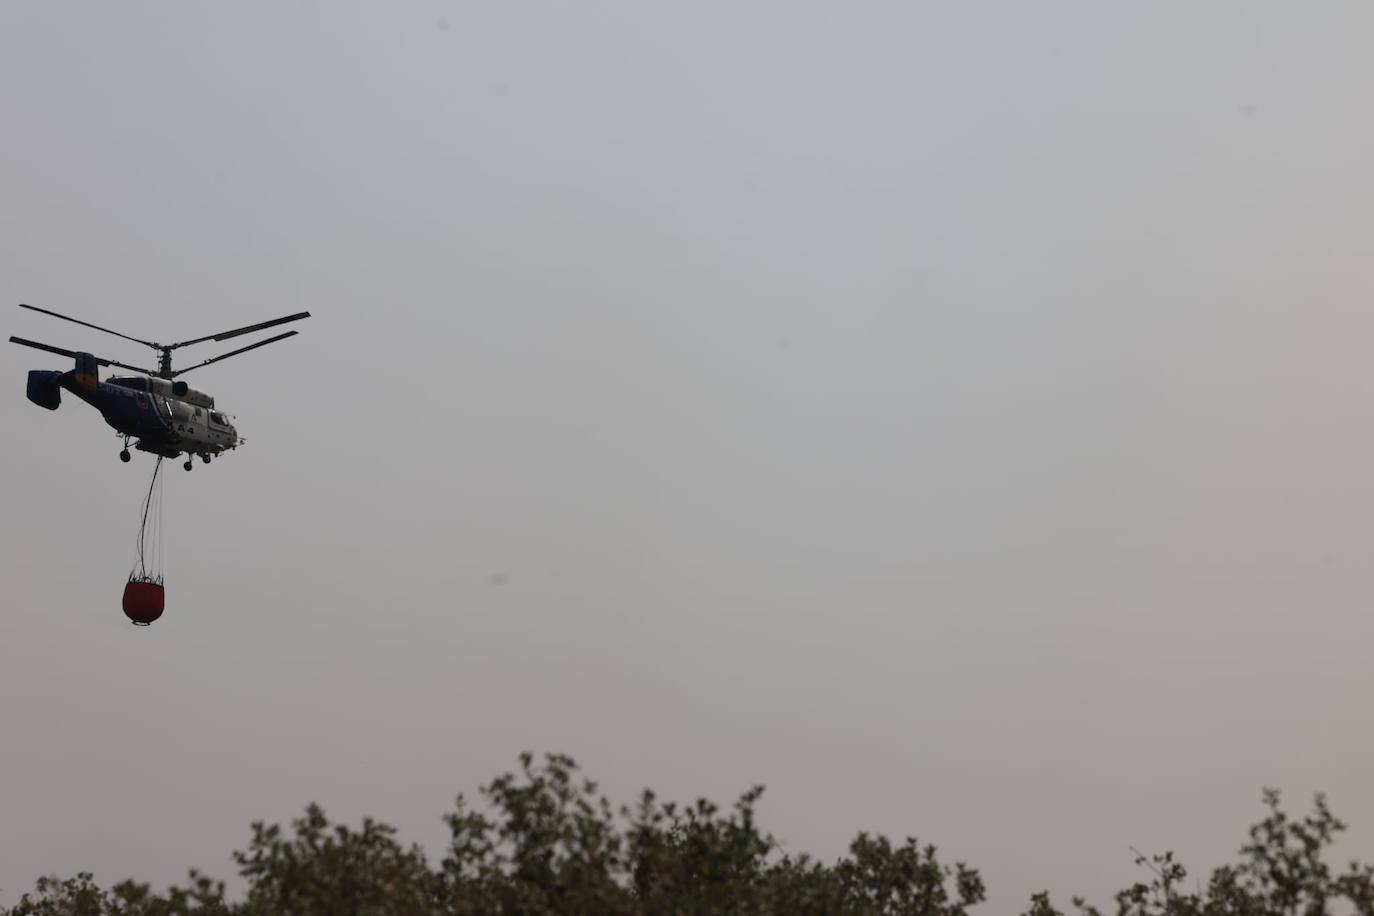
187 465
124 456
205 458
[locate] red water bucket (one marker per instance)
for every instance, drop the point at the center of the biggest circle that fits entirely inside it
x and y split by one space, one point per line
143 601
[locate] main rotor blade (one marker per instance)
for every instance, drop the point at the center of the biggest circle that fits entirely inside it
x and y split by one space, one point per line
248 330
261 343
71 354
34 308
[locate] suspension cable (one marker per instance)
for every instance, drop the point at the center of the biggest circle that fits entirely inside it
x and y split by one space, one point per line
148 507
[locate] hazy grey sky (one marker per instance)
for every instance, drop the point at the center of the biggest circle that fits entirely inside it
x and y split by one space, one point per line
955 416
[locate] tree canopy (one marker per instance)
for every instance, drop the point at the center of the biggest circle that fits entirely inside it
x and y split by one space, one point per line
544 840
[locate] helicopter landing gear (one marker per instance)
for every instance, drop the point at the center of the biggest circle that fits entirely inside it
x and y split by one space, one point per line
187 465
124 456
205 458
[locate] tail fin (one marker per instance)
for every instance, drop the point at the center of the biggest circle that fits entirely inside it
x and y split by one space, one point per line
44 388
86 376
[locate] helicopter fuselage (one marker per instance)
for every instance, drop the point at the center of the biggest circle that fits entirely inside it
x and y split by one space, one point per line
166 418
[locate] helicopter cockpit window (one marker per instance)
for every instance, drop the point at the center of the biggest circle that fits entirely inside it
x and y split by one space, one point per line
217 417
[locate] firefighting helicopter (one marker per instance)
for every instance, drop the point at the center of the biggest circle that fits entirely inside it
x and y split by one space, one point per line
164 417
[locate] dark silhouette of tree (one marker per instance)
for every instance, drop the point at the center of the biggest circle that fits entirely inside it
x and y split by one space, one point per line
1282 872
543 841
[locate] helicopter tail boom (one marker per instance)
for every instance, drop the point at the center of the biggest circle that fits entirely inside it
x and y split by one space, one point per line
83 380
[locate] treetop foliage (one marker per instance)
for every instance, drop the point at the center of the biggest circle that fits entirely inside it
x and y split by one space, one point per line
544 841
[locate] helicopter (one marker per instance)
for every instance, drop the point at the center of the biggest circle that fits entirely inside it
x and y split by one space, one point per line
164 416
